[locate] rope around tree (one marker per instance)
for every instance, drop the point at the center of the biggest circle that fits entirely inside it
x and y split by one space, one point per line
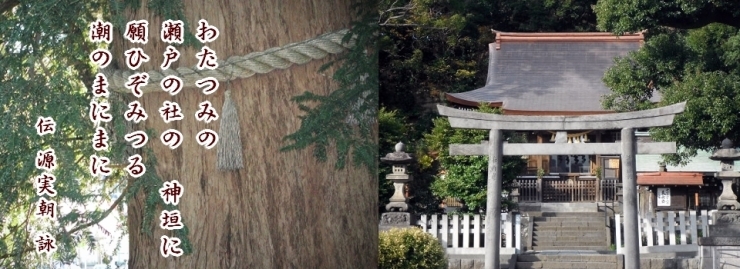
240 66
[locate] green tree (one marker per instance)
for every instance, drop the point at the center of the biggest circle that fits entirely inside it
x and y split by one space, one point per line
428 48
466 177
692 54
44 57
44 61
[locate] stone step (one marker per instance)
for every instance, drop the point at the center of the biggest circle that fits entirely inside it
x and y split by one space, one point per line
572 214
600 243
550 233
566 257
585 229
476 261
569 219
471 264
596 248
570 224
568 239
566 265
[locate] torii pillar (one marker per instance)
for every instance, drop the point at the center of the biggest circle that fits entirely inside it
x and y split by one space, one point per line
495 148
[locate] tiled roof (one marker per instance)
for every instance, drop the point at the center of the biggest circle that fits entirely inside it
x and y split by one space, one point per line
549 71
670 178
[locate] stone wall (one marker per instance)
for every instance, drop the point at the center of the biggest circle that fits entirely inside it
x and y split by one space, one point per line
720 257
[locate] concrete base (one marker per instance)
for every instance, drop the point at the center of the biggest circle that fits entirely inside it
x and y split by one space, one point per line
477 261
559 207
720 257
391 220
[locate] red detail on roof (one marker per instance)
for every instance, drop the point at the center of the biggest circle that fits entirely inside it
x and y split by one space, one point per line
566 37
670 178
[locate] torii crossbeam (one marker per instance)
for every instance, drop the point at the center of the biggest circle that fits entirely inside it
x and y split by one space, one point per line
495 148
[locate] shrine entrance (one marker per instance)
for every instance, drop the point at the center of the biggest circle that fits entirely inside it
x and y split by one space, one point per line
495 148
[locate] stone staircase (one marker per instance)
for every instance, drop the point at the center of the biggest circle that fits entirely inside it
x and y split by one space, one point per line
569 261
570 231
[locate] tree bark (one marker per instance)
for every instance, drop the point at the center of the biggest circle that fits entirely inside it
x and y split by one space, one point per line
283 210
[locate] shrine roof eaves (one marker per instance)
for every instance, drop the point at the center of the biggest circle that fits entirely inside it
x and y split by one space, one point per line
549 73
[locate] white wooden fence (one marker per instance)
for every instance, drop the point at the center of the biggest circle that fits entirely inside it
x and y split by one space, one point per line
668 231
464 234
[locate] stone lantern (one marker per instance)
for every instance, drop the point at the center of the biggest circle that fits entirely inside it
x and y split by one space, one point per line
398 202
720 246
727 155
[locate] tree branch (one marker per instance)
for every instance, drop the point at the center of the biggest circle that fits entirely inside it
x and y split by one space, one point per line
105 213
78 228
701 18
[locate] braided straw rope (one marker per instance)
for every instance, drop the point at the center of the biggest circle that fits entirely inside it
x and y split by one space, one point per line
240 66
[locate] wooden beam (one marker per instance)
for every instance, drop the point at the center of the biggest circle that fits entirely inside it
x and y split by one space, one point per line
662 116
560 149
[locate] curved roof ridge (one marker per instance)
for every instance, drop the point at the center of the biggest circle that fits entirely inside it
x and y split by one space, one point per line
567 37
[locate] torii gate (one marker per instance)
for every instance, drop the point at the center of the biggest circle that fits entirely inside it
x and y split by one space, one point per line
495 148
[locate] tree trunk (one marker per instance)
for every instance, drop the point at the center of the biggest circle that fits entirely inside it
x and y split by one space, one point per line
283 210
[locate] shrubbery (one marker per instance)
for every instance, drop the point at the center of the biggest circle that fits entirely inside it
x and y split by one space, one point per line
410 248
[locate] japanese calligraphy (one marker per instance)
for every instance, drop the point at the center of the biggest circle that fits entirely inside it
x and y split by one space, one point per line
45 185
100 86
170 55
45 125
135 168
170 111
101 57
171 138
209 85
170 220
207 113
206 32
171 84
136 81
135 112
207 58
169 246
45 243
135 57
100 31
46 208
171 192
664 197
99 166
99 112
207 138
46 159
137 31
100 139
172 31
139 139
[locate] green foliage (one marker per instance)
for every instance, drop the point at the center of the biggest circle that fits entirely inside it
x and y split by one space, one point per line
432 47
466 177
410 248
349 127
44 60
622 16
699 65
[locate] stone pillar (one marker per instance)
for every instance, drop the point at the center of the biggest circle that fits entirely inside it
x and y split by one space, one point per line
629 181
398 205
721 248
493 202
